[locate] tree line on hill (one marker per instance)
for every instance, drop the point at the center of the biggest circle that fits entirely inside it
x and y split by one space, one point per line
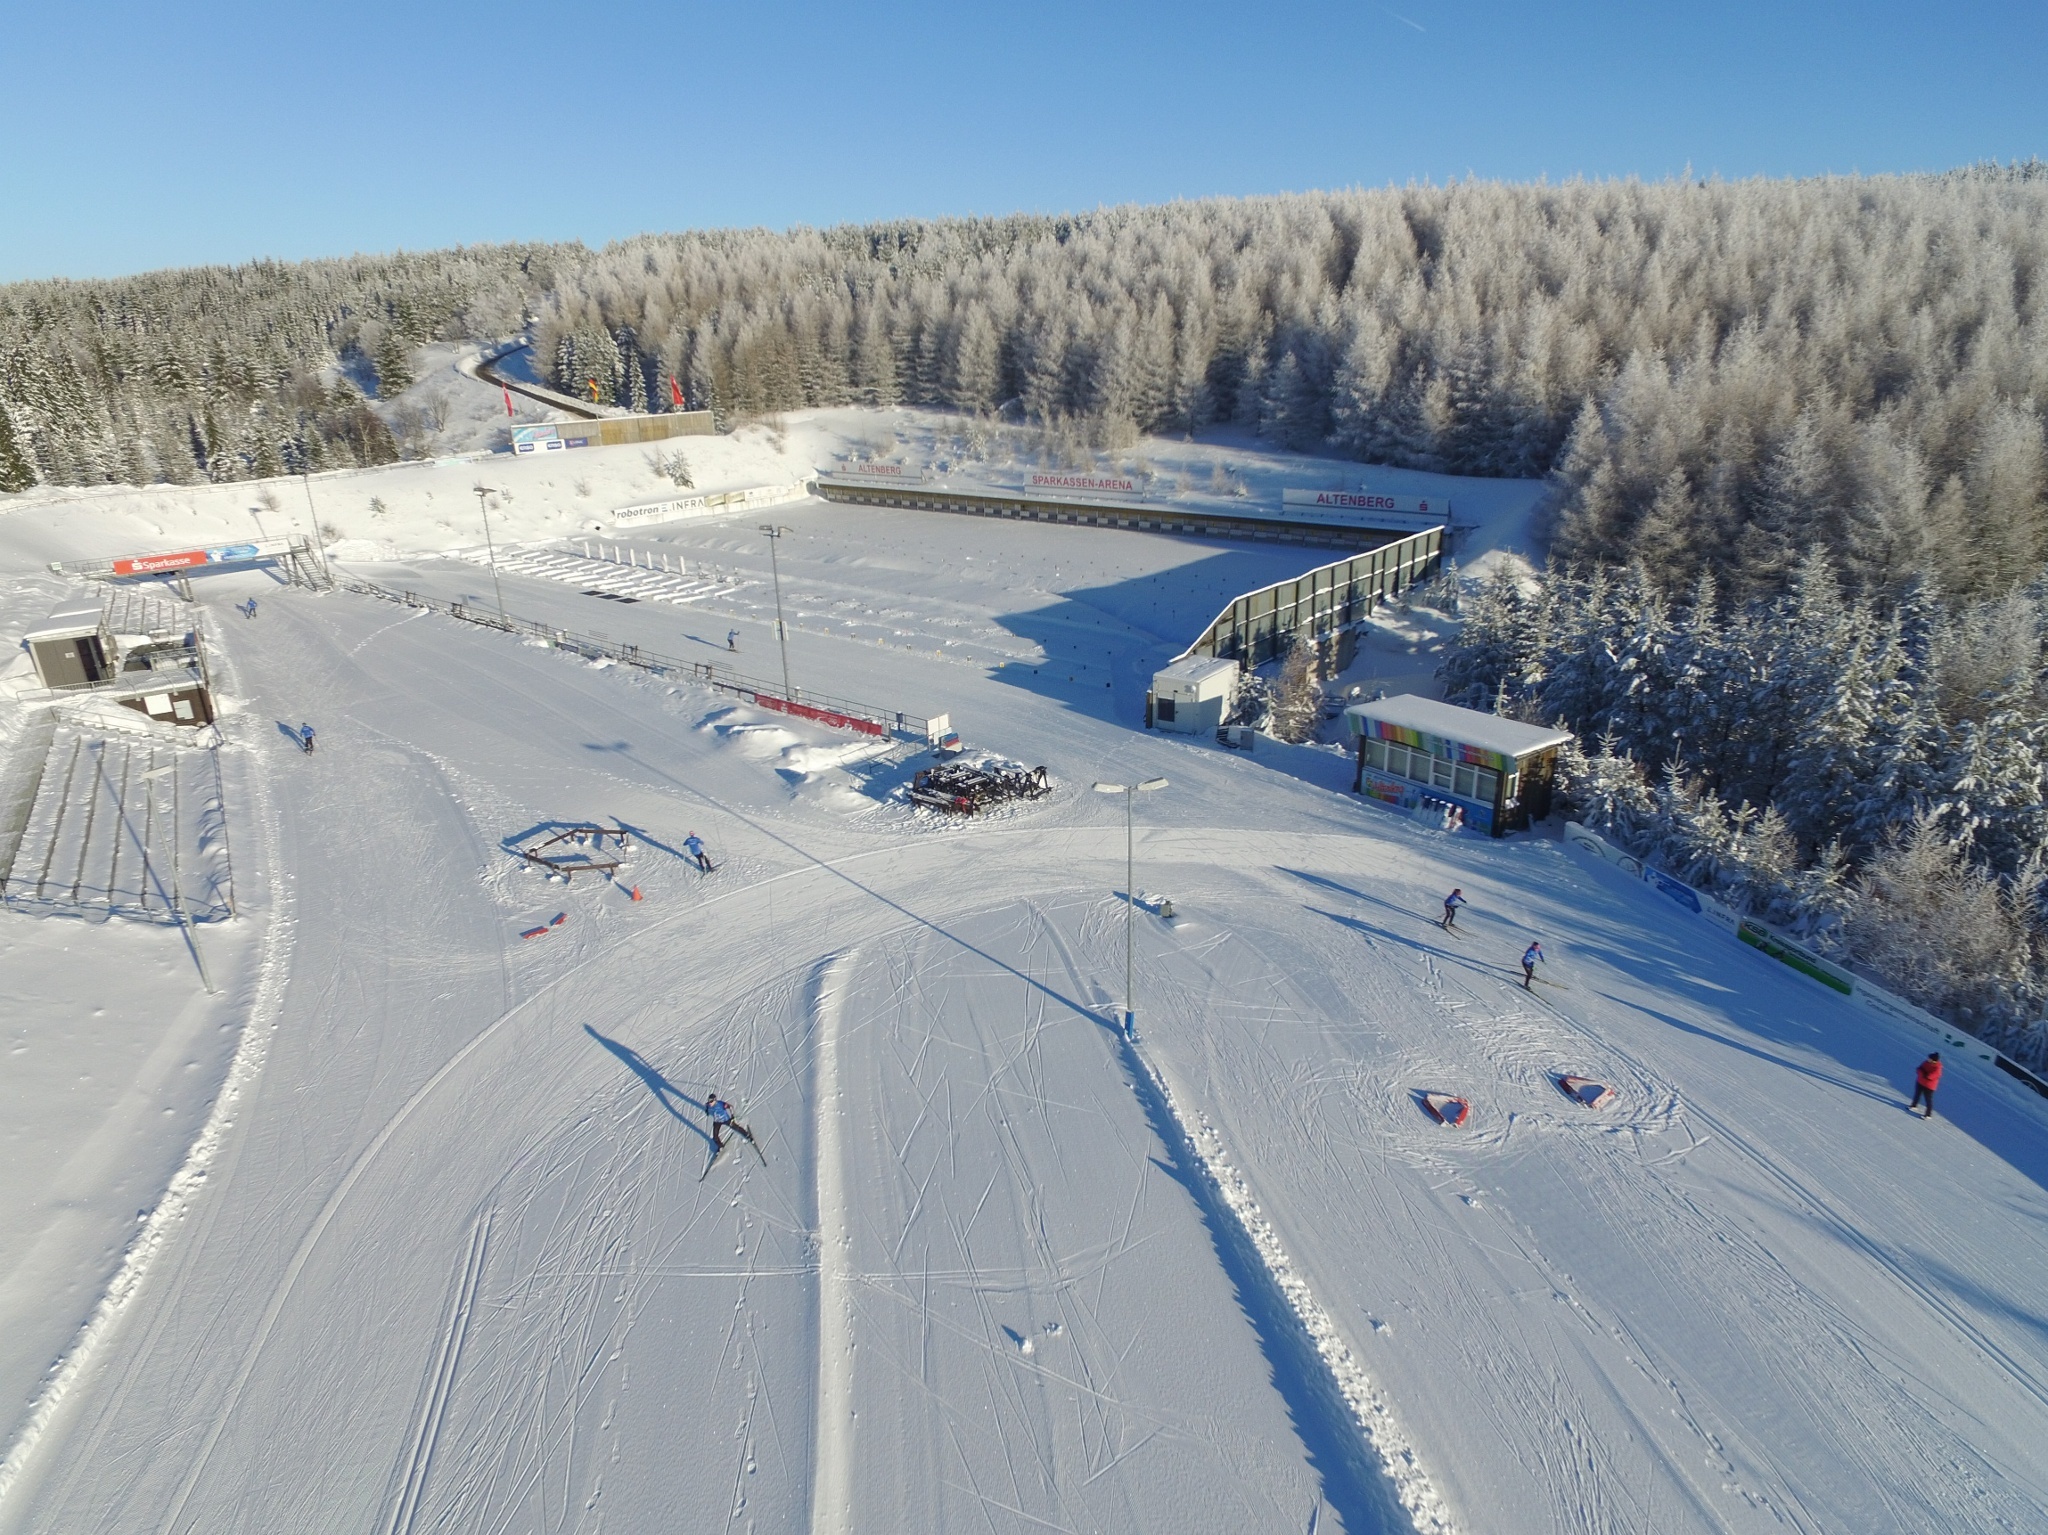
1719 376
232 373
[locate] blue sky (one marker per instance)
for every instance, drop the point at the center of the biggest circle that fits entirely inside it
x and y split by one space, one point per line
138 137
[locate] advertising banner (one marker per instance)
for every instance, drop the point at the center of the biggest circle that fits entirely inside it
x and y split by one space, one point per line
1678 890
868 469
822 716
149 564
1396 514
185 559
1081 484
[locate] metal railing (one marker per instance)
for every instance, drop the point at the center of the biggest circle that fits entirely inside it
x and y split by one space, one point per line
828 708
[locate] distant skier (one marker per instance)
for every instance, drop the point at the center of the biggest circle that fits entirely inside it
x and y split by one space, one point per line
722 1120
1531 958
694 846
249 608
306 739
732 639
1451 904
1926 1078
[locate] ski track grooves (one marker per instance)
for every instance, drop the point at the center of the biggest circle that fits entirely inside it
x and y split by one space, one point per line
832 1463
246 1065
1375 1419
435 1407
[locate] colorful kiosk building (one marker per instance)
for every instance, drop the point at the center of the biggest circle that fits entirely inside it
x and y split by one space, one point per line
1498 771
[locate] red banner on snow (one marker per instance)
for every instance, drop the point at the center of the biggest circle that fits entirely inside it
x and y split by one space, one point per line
822 716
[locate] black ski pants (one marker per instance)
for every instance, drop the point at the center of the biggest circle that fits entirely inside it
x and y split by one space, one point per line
1923 1095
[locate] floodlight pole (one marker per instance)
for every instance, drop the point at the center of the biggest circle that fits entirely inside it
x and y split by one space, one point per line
491 549
1130 793
781 631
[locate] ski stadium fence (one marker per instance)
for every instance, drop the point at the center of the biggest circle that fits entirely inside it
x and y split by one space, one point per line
1260 625
824 708
1789 951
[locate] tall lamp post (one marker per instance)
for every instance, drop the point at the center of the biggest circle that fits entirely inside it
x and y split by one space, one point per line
781 633
1130 792
491 549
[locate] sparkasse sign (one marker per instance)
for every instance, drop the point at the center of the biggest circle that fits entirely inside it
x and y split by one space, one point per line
1085 484
184 559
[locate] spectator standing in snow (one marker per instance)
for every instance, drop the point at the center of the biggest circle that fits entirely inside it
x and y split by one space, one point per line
1531 958
1451 904
1925 1080
694 846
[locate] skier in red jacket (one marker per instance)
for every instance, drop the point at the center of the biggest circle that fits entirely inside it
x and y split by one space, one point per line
1925 1080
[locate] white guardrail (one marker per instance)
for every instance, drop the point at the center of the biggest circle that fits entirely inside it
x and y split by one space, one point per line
1787 950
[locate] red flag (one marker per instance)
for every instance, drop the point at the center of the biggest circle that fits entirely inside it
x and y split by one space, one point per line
508 401
677 390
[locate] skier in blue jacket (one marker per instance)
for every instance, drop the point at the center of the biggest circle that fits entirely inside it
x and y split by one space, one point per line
1531 958
694 846
722 1120
306 739
1451 904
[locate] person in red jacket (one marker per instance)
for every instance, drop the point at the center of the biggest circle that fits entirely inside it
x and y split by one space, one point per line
1925 1080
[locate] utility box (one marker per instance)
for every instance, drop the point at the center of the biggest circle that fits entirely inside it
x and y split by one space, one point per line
69 649
1192 696
1498 771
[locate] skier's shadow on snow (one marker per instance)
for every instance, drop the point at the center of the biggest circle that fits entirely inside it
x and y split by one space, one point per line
1356 895
665 1092
1449 956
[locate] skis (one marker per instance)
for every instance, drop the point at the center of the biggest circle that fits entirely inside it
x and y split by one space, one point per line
721 1150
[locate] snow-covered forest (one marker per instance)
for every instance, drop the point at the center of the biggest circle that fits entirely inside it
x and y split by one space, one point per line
1721 375
1874 775
231 373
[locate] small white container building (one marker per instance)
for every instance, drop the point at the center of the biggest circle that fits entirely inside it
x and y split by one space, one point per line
1498 771
1193 695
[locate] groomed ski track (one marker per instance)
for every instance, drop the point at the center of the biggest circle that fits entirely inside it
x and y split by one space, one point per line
451 1268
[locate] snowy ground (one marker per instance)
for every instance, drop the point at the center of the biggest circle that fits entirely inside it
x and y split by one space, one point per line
406 1229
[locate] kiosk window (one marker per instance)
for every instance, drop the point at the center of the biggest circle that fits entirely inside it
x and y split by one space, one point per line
1164 708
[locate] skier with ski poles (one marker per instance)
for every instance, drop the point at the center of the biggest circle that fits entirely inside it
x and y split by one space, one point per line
1926 1078
306 739
694 846
1531 958
722 1120
1451 904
